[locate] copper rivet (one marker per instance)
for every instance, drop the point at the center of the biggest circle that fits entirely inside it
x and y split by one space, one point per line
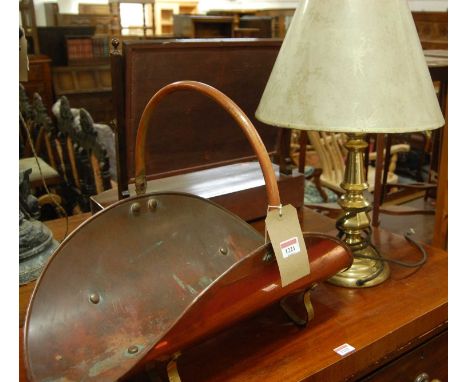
152 204
223 251
94 298
135 208
133 349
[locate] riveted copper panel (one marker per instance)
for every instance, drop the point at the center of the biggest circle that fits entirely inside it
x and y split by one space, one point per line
118 283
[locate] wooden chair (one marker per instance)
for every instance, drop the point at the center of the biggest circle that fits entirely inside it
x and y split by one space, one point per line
85 163
394 201
332 155
35 130
43 174
26 115
387 202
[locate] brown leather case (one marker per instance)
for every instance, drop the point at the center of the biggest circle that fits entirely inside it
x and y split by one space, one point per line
153 274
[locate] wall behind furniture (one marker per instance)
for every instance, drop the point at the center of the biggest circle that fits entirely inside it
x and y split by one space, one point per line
428 5
65 6
71 6
205 5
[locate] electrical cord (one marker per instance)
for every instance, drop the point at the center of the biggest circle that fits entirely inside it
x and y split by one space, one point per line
366 242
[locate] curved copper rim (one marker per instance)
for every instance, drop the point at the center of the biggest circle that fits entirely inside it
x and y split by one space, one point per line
190 306
80 227
234 111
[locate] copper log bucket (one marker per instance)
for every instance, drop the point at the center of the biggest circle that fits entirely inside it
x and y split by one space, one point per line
154 274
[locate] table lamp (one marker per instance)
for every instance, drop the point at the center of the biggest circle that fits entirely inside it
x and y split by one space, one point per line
357 67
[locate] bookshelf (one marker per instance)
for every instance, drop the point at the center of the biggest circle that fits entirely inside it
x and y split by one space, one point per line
281 17
148 12
165 11
85 50
197 26
86 86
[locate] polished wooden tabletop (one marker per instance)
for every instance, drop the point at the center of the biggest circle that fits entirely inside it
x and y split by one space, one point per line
379 322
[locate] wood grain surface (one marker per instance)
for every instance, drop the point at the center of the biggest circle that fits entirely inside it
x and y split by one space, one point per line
381 323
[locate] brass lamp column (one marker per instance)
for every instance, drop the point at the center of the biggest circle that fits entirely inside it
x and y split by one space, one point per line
364 272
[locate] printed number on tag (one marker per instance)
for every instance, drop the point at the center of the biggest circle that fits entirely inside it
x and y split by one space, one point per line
288 243
290 247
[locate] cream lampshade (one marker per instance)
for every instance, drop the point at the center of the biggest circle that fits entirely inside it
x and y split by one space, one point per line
353 66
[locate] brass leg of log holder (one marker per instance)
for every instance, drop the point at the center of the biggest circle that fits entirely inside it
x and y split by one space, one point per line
172 372
306 301
355 222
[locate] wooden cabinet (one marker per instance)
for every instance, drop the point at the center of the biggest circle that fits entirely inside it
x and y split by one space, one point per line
40 79
281 20
95 15
165 10
190 26
102 23
88 87
432 29
145 29
427 362
81 79
280 17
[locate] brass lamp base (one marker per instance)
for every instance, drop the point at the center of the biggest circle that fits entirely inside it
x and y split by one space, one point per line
364 272
367 270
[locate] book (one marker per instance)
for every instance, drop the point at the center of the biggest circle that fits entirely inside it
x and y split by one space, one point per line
79 48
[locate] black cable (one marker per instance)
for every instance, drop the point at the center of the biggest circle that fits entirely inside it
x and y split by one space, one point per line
366 241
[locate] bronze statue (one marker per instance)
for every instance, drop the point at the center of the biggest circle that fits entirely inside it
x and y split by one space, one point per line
36 243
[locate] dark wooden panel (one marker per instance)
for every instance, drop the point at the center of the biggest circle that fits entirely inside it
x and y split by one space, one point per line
53 40
188 130
40 79
195 26
263 23
429 358
81 79
101 22
93 9
281 19
432 29
98 104
87 87
239 188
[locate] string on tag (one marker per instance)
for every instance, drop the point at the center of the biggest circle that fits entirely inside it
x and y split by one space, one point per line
280 208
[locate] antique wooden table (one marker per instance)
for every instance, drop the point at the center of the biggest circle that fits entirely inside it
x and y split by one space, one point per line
398 329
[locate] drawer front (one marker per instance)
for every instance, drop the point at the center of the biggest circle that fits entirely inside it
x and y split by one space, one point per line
427 363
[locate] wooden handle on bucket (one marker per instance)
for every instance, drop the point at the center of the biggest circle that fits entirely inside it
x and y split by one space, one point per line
227 104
